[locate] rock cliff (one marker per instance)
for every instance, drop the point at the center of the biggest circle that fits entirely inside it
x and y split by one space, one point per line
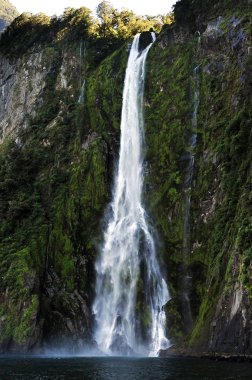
57 156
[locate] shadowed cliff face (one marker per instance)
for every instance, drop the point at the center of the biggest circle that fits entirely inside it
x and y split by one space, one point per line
57 159
219 261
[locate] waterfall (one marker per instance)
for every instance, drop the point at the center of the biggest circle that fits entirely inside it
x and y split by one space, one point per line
127 271
186 280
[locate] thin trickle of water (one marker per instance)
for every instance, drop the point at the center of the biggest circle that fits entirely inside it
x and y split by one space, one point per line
82 83
186 280
191 156
82 92
127 270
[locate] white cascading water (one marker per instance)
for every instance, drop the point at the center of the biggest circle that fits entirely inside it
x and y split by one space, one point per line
128 259
82 84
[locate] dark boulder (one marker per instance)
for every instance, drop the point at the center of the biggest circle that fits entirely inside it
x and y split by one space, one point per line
145 40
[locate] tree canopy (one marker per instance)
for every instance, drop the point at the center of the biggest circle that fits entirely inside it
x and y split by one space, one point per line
109 28
7 11
125 23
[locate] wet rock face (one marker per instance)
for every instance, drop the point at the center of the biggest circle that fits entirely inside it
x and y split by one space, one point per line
211 37
171 34
231 327
236 35
65 316
119 345
22 85
28 335
23 82
223 53
227 328
215 36
213 28
231 330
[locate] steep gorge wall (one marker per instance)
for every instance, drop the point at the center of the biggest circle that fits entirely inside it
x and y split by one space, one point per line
219 261
57 159
54 189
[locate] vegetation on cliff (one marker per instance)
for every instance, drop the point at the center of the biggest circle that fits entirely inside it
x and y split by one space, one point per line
219 262
7 11
107 31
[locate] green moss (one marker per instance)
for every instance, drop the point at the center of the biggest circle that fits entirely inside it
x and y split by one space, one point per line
104 94
20 307
222 164
22 331
167 123
15 276
247 271
205 314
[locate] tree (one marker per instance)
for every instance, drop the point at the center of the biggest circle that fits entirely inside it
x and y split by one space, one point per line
107 20
7 11
77 23
24 31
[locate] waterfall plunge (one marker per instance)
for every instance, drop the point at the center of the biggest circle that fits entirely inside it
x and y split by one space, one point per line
128 259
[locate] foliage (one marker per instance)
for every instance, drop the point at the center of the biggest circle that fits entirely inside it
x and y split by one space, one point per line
125 24
107 33
221 173
74 24
24 31
7 11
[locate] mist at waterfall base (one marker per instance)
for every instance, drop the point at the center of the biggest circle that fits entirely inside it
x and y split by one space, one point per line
130 289
58 368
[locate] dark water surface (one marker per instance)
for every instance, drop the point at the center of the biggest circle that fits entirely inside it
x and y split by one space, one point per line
42 368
